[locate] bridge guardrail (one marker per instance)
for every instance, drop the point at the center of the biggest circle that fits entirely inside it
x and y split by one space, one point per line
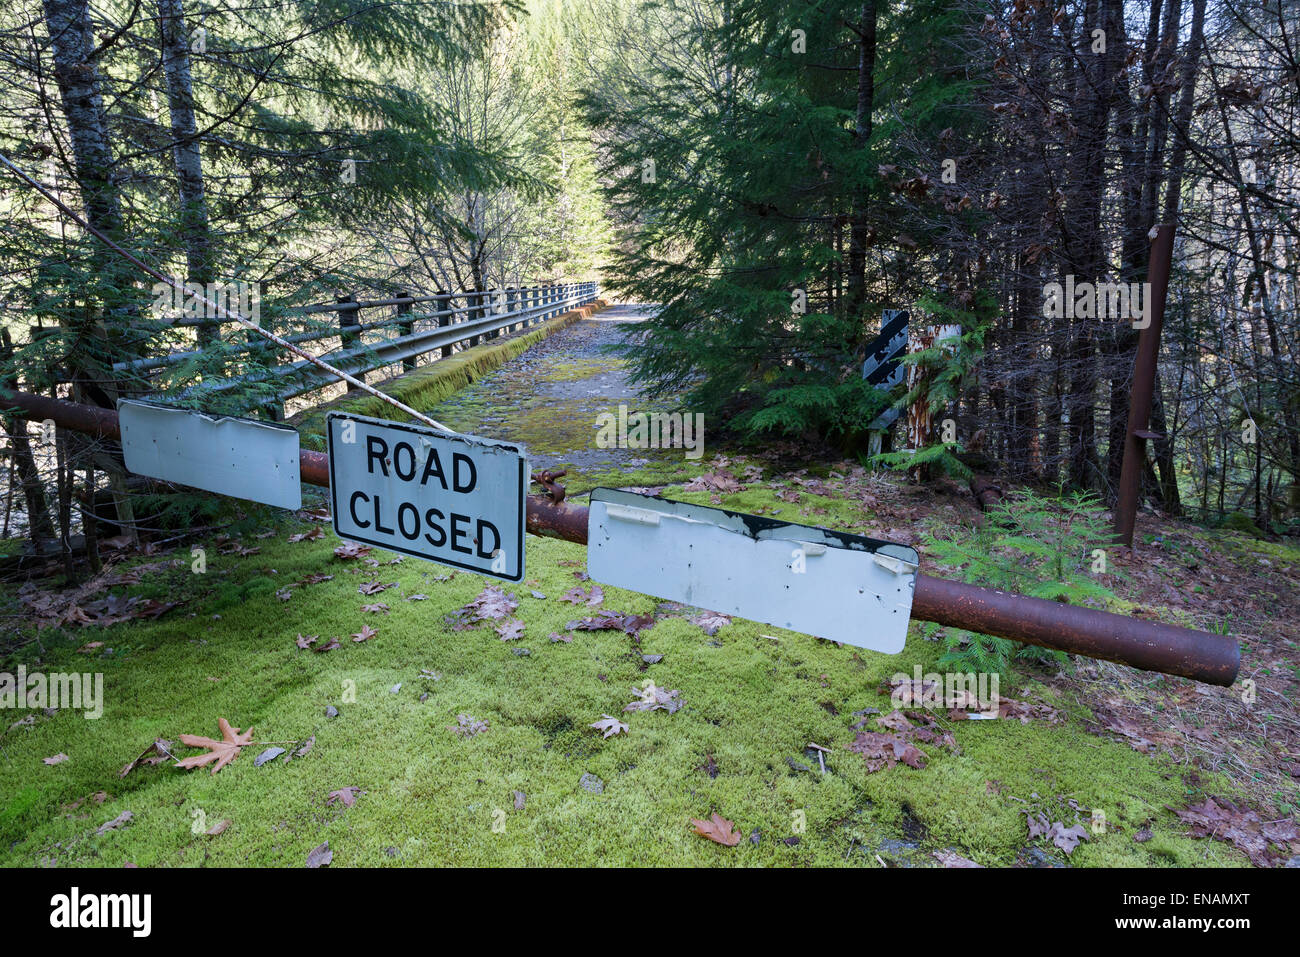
483 314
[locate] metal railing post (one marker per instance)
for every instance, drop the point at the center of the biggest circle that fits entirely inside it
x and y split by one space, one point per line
349 326
474 312
443 304
405 328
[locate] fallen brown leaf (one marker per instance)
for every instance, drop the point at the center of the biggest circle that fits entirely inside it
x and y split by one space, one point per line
717 829
347 796
222 752
610 725
320 856
120 821
156 753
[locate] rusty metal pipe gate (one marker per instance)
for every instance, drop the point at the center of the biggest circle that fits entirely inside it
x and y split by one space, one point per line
1075 629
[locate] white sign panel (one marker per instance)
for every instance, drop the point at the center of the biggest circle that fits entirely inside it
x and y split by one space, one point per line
243 458
453 499
825 583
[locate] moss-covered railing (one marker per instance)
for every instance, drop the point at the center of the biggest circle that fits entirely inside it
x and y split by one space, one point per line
428 385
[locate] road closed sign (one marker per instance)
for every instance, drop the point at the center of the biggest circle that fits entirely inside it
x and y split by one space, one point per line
453 499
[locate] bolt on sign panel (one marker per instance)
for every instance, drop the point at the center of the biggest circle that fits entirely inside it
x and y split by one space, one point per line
243 458
821 582
453 499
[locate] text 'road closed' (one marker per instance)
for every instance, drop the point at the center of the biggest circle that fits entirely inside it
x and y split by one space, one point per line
453 499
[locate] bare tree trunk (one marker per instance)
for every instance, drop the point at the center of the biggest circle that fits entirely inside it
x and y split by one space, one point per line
77 77
39 524
1022 388
857 278
88 528
64 476
1164 447
186 159
1085 249
1186 100
1119 343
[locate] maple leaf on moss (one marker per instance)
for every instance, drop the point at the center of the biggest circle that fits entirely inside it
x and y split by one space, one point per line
584 596
510 629
365 634
717 829
710 622
347 796
223 751
610 725
652 698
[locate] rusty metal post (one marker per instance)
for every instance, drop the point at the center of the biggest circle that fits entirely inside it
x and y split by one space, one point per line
1144 377
1213 659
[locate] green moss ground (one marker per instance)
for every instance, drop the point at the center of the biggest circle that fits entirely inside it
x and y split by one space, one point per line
751 703
752 706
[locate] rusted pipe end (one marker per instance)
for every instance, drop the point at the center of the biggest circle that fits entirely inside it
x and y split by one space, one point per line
550 519
1149 645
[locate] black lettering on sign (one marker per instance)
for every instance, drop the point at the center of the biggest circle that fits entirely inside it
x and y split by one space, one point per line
433 469
483 550
404 509
404 474
457 460
379 525
376 451
352 504
457 533
441 540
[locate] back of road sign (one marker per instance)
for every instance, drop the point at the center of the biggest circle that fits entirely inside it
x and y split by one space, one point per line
830 584
453 499
244 458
